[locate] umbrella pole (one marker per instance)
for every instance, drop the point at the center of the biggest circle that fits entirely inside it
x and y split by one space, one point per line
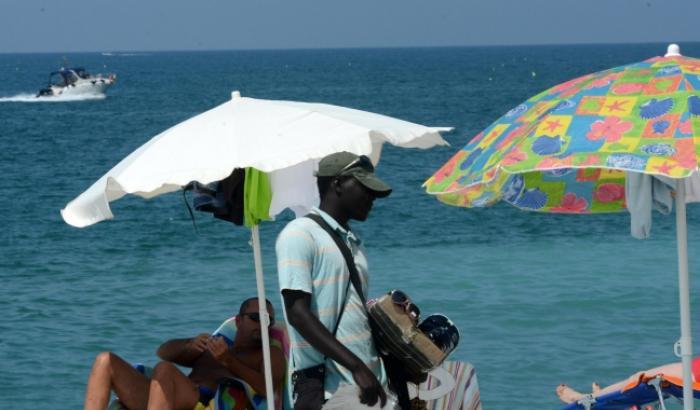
264 317
685 343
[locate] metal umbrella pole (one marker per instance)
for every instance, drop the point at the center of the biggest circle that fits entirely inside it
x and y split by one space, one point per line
264 317
684 346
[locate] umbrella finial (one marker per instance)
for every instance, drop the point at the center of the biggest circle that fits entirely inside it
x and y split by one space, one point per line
673 51
235 94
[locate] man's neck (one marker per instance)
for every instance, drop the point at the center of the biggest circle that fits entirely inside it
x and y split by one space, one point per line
336 214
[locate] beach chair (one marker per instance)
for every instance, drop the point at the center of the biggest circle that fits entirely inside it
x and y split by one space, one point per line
647 390
225 398
451 386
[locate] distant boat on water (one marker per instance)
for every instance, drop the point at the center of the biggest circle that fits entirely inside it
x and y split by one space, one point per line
76 81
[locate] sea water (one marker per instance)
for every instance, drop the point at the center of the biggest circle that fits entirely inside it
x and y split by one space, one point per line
539 299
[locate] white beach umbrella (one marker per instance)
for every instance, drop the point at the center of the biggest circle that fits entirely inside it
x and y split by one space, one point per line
282 138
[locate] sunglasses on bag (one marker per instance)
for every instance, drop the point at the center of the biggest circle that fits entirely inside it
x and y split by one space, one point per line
362 161
255 317
400 298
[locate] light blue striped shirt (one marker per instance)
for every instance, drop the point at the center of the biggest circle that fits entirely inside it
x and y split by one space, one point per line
309 260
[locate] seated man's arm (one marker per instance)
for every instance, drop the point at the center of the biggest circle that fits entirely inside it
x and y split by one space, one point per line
183 351
297 305
255 377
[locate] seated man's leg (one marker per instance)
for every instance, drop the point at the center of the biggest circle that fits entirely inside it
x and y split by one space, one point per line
671 369
171 389
569 395
111 372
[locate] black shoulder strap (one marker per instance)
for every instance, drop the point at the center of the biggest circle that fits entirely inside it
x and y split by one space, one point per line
394 369
347 254
317 218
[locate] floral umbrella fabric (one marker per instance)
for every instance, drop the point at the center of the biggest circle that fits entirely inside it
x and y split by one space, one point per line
567 149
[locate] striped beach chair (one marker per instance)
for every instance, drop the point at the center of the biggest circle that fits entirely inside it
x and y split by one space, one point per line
451 386
230 393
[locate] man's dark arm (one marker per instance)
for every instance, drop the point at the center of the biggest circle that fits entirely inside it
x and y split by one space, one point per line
297 305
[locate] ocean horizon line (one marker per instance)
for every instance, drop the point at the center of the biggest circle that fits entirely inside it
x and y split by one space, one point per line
346 48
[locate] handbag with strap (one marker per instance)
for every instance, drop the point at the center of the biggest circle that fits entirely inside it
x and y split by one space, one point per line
394 370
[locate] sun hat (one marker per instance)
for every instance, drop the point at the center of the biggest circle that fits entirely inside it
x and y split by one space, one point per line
442 331
358 166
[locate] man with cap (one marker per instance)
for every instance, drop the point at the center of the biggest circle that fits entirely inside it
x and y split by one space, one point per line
330 333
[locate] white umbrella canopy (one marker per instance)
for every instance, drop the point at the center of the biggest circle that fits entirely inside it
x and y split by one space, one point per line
285 139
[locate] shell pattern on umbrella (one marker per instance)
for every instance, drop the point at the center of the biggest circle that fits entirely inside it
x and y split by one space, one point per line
566 149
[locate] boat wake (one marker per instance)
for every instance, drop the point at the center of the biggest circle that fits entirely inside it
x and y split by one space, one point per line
32 98
108 54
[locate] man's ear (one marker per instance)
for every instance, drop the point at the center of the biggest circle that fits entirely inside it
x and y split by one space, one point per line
337 186
238 320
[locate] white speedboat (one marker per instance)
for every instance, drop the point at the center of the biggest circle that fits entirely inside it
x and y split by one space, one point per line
76 81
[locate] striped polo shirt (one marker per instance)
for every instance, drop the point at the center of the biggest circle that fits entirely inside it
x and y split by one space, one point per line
309 260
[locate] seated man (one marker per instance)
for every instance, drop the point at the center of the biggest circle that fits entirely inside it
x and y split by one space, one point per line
209 357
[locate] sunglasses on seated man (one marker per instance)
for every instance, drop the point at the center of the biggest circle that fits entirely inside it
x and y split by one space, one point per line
255 317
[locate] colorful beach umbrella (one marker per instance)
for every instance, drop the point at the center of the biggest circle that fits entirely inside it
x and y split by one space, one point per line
280 141
573 147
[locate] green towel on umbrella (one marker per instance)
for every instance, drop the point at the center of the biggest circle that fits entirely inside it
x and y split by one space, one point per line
257 196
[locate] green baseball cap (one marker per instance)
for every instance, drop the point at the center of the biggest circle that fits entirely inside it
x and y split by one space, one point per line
358 166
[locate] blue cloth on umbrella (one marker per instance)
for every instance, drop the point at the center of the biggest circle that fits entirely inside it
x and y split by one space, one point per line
644 192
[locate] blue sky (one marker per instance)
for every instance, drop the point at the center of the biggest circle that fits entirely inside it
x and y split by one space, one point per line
121 25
